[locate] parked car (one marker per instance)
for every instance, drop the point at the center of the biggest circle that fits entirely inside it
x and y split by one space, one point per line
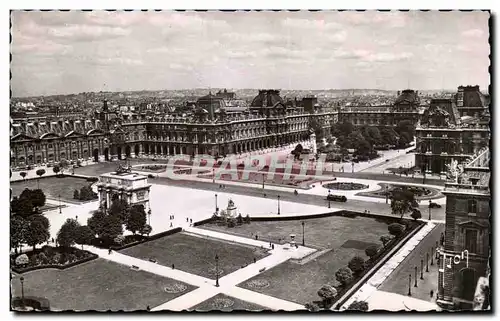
336 198
434 205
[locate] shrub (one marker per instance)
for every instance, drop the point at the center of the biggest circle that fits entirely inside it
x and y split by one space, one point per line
386 239
359 306
22 259
146 230
239 219
396 229
344 275
56 258
312 307
357 264
76 195
371 251
416 214
327 293
119 239
43 258
230 223
92 179
247 219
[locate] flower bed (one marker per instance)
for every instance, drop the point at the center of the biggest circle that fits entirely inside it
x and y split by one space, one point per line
151 168
175 288
50 257
345 186
419 192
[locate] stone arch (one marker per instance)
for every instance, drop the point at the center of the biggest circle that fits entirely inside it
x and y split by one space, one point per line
146 148
137 150
95 154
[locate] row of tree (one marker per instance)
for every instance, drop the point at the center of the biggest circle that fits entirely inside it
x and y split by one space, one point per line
32 230
27 203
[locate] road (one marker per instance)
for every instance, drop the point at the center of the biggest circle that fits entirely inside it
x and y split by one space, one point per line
397 282
358 206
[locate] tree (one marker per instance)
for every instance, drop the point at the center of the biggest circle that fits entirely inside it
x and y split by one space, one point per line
363 147
36 233
76 195
401 201
407 127
42 219
372 135
136 219
239 219
84 235
371 251
389 136
396 229
146 230
386 239
56 169
63 165
416 215
120 209
112 227
357 264
297 151
23 174
96 222
68 233
344 275
327 293
38 198
22 207
40 172
359 306
17 231
312 307
247 219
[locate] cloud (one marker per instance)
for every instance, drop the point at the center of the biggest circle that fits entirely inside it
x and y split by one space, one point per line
316 24
473 33
388 57
338 37
87 32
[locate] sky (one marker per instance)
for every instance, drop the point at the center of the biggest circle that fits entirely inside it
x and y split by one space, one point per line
73 52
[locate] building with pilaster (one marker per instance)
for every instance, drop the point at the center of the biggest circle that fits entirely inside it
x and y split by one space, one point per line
466 252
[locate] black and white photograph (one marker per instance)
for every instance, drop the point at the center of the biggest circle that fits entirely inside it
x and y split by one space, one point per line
250 160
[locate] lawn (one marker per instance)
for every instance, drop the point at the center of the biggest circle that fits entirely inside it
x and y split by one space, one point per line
345 237
52 186
222 302
195 254
326 232
97 285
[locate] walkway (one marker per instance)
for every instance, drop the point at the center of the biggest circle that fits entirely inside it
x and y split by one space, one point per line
368 289
228 284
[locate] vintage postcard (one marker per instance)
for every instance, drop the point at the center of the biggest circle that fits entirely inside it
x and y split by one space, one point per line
250 161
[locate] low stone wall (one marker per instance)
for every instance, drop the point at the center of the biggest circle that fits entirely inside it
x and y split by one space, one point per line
54 266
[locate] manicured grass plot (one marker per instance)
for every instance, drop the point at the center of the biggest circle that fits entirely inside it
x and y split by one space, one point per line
52 186
225 303
196 255
327 232
98 285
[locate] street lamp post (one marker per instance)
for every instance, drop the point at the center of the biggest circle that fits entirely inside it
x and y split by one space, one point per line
60 210
386 194
409 285
22 290
430 209
416 278
263 179
149 217
216 270
279 211
432 255
427 264
216 207
303 235
328 198
421 269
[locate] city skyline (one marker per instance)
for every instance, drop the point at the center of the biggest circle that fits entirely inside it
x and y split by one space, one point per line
73 52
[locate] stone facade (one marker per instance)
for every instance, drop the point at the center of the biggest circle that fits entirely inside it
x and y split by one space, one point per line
444 135
466 251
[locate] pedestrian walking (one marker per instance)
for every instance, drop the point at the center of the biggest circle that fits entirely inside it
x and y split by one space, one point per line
171 225
272 246
432 294
191 220
256 237
187 220
109 251
254 260
148 308
173 267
